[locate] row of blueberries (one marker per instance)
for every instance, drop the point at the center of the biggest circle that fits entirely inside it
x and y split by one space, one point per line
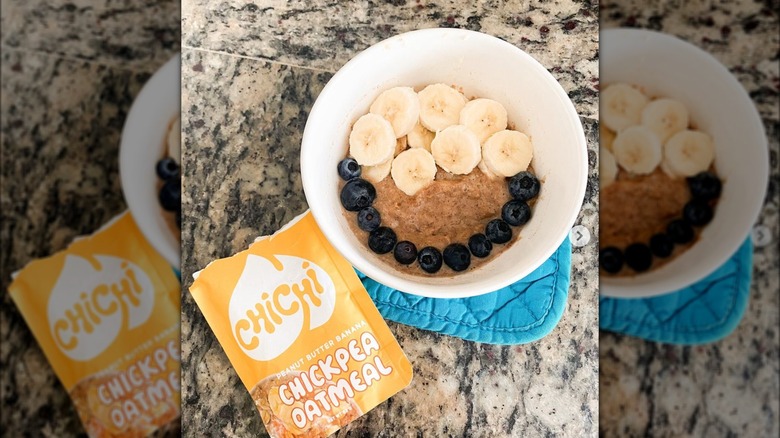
358 195
170 193
704 187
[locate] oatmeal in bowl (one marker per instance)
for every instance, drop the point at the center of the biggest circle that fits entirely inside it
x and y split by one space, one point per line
431 193
659 186
151 134
436 181
685 212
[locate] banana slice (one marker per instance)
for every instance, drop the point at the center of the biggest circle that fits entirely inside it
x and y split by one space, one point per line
413 169
483 167
456 150
667 170
375 174
606 137
665 117
400 106
440 106
400 145
420 137
689 152
507 153
608 168
484 117
622 106
638 150
174 140
372 140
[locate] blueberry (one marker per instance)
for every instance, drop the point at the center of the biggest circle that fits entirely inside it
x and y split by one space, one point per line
524 186
348 168
516 212
498 231
705 186
697 212
429 259
368 219
679 231
167 169
457 257
611 259
639 257
382 240
661 245
405 252
480 246
357 194
170 195
178 218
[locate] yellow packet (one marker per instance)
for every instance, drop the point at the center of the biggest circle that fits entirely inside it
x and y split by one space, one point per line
106 314
301 332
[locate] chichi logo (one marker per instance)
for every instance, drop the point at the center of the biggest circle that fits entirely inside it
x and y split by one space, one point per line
275 299
90 302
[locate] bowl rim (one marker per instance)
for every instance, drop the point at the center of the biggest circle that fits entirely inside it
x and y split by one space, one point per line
160 80
381 274
623 287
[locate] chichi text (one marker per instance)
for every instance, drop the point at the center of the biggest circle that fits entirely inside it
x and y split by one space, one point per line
104 301
327 392
269 312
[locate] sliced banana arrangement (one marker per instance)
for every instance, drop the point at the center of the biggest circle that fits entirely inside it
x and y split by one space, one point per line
413 170
420 137
646 134
484 117
621 106
460 134
507 153
456 149
667 165
372 140
637 150
689 152
440 106
413 136
399 106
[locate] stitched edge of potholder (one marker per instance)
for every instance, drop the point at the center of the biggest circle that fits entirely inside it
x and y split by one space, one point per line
736 289
492 334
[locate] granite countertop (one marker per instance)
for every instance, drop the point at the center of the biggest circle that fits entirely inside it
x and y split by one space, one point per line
70 71
727 388
250 75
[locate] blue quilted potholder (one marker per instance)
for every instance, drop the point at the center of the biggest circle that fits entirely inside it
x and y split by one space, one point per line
704 312
517 314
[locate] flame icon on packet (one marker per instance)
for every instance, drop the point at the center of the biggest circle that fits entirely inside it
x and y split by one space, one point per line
275 299
90 301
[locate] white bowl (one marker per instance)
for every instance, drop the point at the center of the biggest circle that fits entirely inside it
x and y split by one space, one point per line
143 144
667 66
483 66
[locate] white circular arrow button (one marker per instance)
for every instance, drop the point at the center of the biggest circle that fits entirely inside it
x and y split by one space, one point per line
579 236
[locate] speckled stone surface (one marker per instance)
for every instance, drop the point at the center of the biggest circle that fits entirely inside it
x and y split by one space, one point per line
133 34
250 75
324 35
62 116
727 388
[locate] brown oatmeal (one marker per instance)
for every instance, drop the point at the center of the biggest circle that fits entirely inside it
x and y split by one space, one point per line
635 207
450 210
